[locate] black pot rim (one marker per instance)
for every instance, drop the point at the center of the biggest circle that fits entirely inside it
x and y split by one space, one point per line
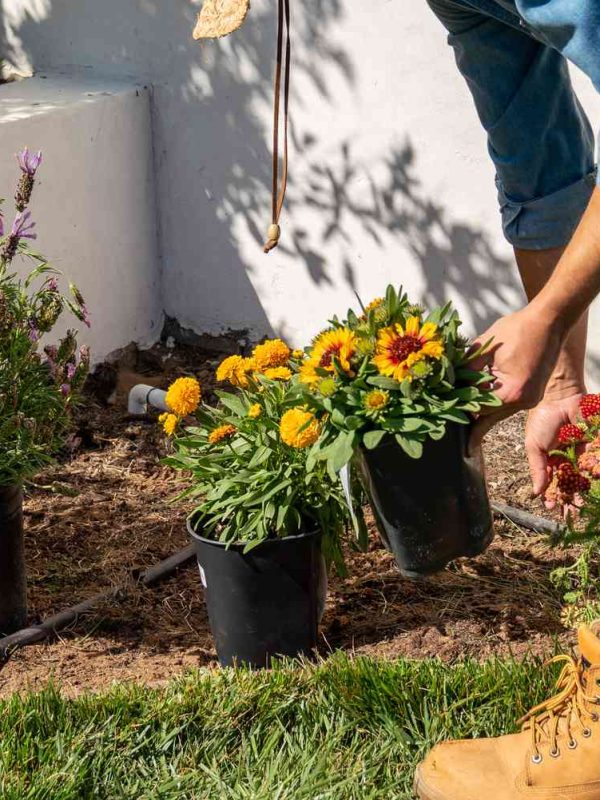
242 545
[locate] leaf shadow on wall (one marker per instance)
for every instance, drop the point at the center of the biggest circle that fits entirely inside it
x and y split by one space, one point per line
212 150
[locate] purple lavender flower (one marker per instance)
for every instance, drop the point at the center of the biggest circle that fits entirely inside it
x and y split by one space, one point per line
51 351
65 389
22 228
34 334
52 285
85 316
29 162
71 370
1 224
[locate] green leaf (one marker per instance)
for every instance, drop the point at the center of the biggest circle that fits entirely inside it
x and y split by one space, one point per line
406 424
438 433
233 402
373 439
411 447
341 450
383 382
454 415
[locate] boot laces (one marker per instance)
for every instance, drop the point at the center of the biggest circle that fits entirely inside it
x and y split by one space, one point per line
571 704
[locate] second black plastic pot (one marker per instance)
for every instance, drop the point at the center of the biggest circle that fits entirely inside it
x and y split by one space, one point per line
13 584
263 603
432 510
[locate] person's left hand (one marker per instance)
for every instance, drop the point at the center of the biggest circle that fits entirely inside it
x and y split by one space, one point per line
541 434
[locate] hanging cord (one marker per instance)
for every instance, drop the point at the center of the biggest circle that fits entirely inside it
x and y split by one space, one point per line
278 192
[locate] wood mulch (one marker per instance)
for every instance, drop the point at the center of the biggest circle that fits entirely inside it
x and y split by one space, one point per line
107 509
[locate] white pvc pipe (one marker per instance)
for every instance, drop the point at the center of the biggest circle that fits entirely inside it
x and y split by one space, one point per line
142 396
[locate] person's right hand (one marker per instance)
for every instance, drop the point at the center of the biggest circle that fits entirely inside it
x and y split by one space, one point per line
523 353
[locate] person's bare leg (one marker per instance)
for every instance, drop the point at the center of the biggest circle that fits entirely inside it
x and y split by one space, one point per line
567 384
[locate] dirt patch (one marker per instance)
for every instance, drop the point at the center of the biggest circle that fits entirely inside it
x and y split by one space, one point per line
106 510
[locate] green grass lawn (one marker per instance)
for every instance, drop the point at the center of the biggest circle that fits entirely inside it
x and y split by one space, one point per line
342 729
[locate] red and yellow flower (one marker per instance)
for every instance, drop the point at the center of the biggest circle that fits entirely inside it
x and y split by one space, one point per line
339 343
400 348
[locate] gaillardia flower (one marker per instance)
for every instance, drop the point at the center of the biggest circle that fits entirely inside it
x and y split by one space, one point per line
299 428
169 423
183 396
221 433
339 343
400 348
272 353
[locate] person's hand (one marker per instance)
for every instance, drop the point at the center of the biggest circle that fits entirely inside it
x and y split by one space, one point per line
521 358
541 434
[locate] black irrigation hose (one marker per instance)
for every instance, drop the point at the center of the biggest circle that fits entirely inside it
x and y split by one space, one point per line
50 626
158 572
527 520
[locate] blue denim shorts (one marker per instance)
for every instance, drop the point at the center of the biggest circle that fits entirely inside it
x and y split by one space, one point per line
513 55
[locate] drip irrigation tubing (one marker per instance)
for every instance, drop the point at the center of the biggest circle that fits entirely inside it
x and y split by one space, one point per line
164 569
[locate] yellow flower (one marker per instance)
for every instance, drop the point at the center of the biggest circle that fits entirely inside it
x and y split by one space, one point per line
374 304
398 348
308 372
339 343
299 428
184 396
235 369
278 373
298 354
169 423
272 353
376 400
255 411
222 432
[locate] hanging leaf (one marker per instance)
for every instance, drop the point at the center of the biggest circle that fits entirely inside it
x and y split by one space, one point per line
373 439
411 447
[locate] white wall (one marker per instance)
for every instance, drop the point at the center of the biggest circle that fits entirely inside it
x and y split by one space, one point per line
94 204
390 179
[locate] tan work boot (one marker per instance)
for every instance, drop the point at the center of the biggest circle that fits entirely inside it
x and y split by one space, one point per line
555 757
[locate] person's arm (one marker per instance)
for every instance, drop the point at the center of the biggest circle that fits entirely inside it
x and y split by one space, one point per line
527 345
560 403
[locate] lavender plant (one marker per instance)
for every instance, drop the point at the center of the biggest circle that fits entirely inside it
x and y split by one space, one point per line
39 380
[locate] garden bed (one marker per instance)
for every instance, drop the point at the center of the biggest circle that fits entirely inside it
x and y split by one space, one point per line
104 512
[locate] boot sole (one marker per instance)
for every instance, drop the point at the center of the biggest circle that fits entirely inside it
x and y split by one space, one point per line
424 792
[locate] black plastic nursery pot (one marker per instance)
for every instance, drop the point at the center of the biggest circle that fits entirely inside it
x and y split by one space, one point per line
432 510
264 603
13 585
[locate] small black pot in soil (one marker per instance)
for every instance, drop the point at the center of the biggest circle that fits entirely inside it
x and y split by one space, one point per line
432 510
13 586
264 603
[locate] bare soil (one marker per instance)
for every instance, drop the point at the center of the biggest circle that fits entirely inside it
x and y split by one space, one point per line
106 510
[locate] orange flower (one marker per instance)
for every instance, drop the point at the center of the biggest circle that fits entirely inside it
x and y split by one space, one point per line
222 432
